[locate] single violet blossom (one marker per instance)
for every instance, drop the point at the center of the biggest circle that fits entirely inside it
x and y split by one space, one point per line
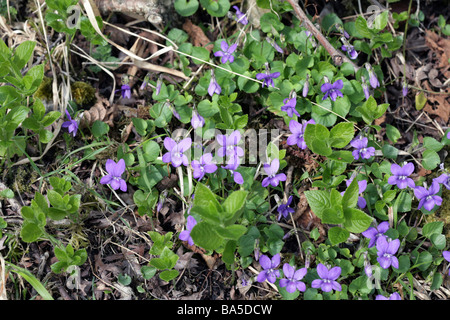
229 144
197 120
232 165
292 278
273 178
289 106
126 91
372 76
284 209
203 165
352 53
145 82
158 86
405 89
443 179
361 149
342 30
274 45
267 77
386 251
401 175
373 233
365 88
213 85
71 125
394 296
114 176
269 272
305 87
176 151
298 131
328 278
367 266
448 135
446 255
347 47
428 198
185 235
332 90
226 53
241 18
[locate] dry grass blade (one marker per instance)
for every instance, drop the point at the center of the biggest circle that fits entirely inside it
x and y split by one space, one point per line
138 60
3 295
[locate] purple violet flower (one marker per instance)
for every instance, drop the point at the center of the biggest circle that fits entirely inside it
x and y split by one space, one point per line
365 88
185 235
373 233
270 273
232 165
241 18
446 255
271 170
428 198
328 278
347 47
274 45
126 91
443 179
361 149
332 90
114 176
284 209
394 296
289 106
203 165
197 120
292 278
372 76
367 266
176 151
145 82
448 135
405 89
386 251
71 125
227 52
230 144
158 86
401 175
267 77
298 130
342 31
213 85
305 87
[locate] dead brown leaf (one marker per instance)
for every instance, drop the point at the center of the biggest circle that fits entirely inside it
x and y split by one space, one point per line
305 218
101 111
198 37
438 104
440 46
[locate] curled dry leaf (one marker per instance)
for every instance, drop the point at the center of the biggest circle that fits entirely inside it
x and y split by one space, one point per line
305 218
198 37
101 111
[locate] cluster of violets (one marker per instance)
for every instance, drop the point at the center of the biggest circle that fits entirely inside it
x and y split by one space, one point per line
291 280
292 277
